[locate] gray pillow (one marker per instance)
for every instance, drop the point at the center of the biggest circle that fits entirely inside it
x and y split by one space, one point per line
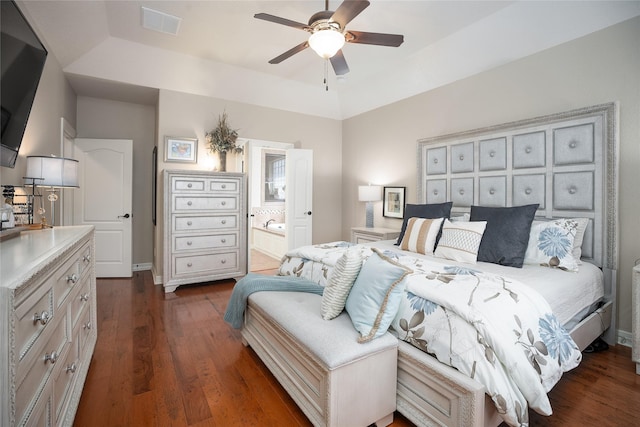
431 211
506 237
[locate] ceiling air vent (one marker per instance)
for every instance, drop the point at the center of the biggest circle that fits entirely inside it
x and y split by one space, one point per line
160 21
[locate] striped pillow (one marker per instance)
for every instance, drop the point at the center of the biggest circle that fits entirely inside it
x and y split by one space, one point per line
460 240
340 282
420 235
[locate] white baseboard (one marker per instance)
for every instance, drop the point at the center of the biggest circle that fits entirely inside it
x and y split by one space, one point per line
624 338
157 278
141 267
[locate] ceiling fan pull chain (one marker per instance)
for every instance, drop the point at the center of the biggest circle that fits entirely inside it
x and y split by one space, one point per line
326 75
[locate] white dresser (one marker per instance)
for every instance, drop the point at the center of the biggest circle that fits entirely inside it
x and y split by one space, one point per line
205 227
367 235
635 313
47 323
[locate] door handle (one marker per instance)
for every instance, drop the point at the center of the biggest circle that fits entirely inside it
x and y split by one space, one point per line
124 216
308 213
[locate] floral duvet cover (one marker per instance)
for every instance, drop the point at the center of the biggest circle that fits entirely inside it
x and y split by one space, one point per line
495 330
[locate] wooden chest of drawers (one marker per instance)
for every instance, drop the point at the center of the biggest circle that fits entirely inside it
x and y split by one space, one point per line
47 321
205 227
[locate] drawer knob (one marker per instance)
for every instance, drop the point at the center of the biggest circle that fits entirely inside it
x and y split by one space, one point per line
223 240
189 243
73 278
527 191
435 161
189 223
573 190
189 264
224 261
492 191
223 203
528 150
224 186
86 258
461 157
51 357
435 192
573 144
189 185
461 191
87 326
71 368
84 297
492 153
43 318
189 203
224 221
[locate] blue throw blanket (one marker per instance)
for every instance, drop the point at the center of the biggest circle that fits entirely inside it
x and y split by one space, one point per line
256 282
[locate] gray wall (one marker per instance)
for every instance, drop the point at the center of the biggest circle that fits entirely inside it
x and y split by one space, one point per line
380 146
102 118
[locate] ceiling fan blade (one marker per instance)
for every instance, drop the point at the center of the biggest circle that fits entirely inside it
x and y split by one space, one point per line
283 21
339 64
278 59
348 10
380 39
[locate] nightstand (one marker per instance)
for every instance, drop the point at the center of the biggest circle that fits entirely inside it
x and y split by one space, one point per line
366 235
635 316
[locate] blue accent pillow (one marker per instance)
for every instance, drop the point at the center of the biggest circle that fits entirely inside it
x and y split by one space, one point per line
506 237
431 211
375 297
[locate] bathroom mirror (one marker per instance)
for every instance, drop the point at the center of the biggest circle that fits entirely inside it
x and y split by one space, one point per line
273 173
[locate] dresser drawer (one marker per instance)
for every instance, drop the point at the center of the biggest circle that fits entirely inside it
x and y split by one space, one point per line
204 223
222 185
62 380
33 316
210 241
34 370
200 203
80 300
84 259
206 263
188 184
65 279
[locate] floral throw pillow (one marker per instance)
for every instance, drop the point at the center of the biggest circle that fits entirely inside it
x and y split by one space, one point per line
551 244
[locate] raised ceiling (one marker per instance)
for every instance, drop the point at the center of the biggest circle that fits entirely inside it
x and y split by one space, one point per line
222 51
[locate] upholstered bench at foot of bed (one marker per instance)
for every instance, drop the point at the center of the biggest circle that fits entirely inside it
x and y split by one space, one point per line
334 380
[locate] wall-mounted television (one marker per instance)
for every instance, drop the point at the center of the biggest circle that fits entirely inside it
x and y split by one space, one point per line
22 59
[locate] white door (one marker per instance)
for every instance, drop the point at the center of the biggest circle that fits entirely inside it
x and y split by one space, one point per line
104 200
299 200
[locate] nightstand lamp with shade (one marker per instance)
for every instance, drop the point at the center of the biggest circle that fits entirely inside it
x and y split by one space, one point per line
369 194
52 172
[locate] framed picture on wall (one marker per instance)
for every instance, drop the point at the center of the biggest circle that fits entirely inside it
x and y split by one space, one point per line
393 202
181 150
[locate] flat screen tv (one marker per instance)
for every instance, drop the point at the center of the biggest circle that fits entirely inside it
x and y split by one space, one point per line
22 59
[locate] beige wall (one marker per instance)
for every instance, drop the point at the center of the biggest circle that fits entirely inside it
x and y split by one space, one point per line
54 99
102 118
191 116
380 146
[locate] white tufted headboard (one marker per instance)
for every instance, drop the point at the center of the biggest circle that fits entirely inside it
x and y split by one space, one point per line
566 162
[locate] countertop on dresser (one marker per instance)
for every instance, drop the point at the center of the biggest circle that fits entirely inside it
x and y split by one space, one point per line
22 256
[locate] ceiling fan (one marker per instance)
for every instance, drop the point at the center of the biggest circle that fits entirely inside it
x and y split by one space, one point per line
329 34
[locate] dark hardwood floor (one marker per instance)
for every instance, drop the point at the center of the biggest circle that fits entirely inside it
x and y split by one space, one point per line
170 360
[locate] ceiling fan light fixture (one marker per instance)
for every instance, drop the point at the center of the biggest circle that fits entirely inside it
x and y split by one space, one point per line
326 42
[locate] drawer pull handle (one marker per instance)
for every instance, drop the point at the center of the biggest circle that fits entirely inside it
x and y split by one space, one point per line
86 258
189 243
223 240
189 223
43 318
71 368
87 326
224 261
73 278
189 203
51 357
84 297
189 264
224 221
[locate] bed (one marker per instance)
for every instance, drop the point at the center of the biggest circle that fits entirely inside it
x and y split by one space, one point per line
560 169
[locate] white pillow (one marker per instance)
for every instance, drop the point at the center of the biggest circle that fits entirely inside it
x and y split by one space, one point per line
460 240
340 282
420 235
551 244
